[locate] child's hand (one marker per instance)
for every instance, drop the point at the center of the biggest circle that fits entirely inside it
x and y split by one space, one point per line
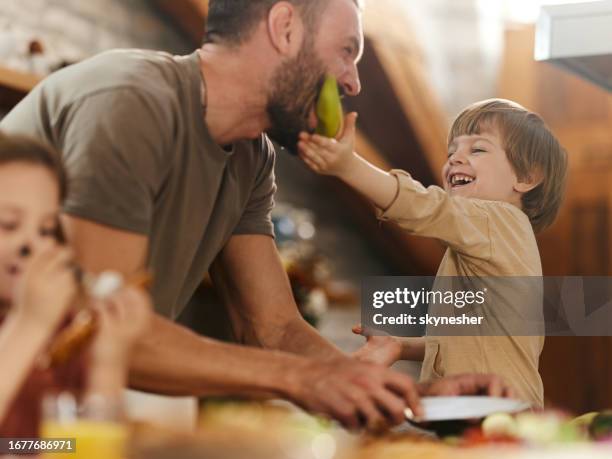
122 320
47 289
383 350
330 156
467 384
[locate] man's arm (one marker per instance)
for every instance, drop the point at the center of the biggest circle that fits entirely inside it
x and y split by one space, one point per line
250 278
175 361
168 358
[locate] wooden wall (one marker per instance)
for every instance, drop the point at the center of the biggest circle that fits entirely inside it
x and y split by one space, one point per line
577 372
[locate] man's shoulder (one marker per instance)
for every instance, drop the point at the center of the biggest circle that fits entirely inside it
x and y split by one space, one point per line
260 150
156 73
254 158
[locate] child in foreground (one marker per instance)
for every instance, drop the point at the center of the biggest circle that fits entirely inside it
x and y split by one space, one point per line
502 182
37 290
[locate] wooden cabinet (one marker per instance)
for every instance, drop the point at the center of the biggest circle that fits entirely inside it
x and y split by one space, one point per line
14 85
577 371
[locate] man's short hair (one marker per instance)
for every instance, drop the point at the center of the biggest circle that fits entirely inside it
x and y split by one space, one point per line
531 148
232 22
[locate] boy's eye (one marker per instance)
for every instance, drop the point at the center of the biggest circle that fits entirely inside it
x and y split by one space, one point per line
478 150
48 232
8 225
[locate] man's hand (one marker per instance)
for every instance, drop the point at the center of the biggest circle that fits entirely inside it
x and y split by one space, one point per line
251 279
469 384
357 394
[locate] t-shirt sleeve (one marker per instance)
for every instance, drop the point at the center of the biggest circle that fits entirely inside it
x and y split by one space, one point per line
115 148
257 216
463 224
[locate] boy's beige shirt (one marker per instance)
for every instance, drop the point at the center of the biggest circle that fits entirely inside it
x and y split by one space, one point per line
484 239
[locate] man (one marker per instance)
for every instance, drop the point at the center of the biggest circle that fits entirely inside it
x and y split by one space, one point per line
169 170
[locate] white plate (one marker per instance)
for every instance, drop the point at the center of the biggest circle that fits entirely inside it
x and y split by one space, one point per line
466 407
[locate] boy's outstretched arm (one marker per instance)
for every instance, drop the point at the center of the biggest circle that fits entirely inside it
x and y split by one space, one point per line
463 224
337 157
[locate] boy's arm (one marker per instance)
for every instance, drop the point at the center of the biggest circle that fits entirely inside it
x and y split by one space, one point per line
462 223
413 349
337 158
378 186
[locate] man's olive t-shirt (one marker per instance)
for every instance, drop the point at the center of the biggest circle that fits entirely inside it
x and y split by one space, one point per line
131 128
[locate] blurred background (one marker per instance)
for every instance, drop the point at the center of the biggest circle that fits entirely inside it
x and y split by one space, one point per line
424 61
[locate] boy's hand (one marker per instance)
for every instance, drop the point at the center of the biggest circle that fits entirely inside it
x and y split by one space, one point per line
330 156
122 319
383 350
47 289
467 384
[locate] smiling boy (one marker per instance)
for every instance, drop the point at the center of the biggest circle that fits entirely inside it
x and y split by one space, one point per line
503 181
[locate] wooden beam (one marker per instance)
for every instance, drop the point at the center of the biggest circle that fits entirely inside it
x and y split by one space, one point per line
399 52
14 85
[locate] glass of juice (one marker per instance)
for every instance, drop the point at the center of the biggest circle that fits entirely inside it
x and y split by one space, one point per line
94 427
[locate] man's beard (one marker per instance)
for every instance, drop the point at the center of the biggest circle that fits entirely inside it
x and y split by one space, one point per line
294 89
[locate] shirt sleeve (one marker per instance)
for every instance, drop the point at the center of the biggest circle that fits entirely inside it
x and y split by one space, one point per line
463 224
115 146
257 216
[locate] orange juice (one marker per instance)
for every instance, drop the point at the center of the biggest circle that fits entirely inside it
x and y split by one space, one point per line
94 439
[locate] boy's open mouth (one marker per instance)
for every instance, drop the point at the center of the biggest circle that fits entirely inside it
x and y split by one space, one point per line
459 180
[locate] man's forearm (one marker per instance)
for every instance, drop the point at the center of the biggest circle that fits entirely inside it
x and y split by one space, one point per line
299 337
172 360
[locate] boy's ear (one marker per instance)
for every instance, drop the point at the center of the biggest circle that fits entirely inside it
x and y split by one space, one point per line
528 183
283 26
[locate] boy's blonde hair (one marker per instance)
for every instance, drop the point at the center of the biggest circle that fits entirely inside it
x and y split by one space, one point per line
533 151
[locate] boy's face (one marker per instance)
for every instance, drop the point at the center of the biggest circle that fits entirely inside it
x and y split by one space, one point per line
477 167
29 206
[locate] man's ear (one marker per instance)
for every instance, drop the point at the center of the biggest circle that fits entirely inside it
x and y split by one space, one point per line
527 184
285 28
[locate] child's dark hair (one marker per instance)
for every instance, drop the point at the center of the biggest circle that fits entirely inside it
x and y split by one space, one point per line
531 148
21 149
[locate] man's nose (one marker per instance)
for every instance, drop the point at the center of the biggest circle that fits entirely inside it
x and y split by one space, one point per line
351 84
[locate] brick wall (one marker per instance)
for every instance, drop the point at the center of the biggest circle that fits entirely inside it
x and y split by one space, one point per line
74 29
